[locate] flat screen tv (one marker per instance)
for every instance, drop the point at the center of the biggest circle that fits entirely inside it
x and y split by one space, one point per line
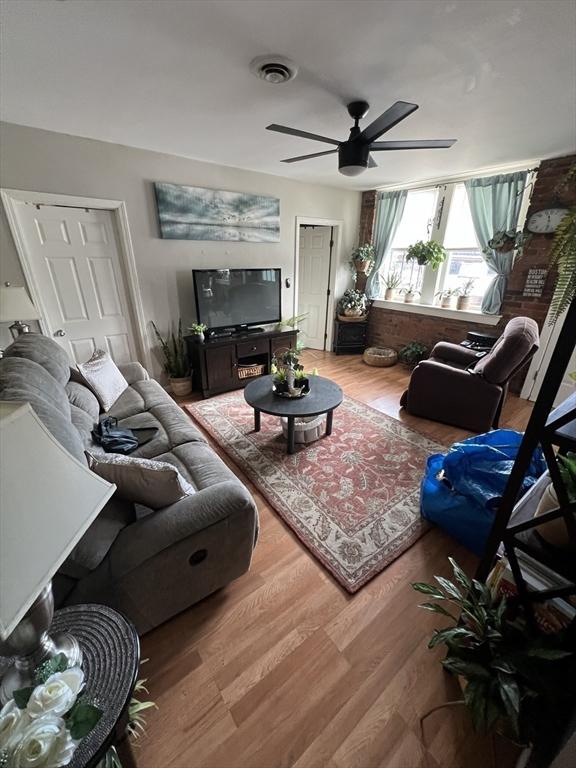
234 299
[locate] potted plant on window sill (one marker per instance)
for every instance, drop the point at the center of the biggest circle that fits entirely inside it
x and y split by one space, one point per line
447 297
391 283
410 293
464 294
363 259
427 254
176 364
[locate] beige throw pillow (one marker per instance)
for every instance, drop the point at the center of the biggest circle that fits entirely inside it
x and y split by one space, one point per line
154 484
104 378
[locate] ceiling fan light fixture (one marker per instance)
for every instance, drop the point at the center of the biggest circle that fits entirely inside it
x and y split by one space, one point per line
273 68
352 170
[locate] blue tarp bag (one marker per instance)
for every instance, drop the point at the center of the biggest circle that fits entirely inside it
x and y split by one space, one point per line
461 489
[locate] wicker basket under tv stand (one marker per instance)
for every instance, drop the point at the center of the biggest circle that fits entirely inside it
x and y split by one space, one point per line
215 362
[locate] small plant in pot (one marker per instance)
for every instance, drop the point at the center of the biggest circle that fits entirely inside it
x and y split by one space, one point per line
410 293
411 354
447 297
513 677
391 283
363 259
427 254
197 330
464 294
353 305
288 376
176 364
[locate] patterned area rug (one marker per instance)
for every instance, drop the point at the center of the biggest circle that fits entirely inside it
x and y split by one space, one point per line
352 498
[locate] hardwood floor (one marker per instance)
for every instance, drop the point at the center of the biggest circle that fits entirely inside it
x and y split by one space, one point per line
283 668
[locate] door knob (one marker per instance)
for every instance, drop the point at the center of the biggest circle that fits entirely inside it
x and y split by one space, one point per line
59 332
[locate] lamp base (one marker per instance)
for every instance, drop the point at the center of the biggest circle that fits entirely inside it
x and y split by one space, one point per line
31 646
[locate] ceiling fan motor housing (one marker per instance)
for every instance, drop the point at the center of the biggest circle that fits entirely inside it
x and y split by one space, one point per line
353 157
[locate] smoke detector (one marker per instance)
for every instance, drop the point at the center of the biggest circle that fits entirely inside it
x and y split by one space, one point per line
273 68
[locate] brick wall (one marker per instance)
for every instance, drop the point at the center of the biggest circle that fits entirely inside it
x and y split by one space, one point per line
367 212
394 329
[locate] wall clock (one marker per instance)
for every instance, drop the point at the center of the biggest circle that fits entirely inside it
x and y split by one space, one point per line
546 221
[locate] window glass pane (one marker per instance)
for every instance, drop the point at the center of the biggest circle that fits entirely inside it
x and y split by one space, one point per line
416 225
460 229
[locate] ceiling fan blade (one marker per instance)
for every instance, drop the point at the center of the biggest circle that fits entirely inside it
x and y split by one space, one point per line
397 112
308 157
371 162
302 134
381 146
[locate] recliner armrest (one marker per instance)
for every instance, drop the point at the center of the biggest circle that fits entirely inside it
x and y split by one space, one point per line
133 372
444 351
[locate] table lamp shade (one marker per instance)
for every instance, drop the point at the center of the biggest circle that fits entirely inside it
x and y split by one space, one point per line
47 501
15 304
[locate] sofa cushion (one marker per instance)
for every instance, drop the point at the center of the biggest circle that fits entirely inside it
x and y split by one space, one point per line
83 398
140 396
199 464
173 425
103 376
26 381
520 337
153 483
44 351
84 425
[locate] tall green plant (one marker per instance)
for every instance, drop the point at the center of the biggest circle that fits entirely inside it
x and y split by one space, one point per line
174 350
513 674
563 257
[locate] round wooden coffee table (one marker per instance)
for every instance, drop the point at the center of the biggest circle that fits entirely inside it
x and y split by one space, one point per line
324 397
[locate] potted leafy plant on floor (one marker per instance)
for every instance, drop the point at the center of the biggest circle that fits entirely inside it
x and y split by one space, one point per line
464 294
513 677
197 330
363 259
427 253
391 283
176 364
410 293
412 353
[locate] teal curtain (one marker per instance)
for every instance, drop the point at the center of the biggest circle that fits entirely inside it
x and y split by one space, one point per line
495 205
389 210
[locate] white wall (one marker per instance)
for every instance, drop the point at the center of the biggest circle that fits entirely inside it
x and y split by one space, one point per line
44 161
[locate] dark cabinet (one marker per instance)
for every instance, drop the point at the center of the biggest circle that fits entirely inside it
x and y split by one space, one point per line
215 362
349 337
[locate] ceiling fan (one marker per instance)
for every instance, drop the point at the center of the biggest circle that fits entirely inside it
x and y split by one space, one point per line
354 153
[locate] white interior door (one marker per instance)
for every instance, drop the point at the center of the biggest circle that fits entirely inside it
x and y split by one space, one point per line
74 258
540 363
313 283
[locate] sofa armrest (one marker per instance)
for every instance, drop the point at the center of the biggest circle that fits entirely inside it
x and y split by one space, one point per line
453 353
133 372
167 527
454 396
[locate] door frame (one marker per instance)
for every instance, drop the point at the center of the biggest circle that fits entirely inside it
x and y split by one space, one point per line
538 366
337 225
10 200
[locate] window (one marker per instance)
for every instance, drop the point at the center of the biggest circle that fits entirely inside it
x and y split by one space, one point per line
441 214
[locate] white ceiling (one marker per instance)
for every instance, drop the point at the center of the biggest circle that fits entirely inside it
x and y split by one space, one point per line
172 76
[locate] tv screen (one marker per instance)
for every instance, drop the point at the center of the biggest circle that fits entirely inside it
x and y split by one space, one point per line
233 297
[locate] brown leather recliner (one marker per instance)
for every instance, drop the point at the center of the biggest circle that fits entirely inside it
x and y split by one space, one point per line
456 387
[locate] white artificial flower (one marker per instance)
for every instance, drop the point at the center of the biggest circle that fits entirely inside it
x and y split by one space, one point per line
12 722
57 695
45 743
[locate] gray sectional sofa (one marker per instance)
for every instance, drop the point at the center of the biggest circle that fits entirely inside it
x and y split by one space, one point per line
149 565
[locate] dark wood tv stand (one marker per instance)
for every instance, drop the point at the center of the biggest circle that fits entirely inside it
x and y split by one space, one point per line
215 362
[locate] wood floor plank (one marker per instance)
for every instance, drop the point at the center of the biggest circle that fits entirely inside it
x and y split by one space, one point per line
283 669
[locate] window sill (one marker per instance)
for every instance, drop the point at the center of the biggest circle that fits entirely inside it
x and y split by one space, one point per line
467 316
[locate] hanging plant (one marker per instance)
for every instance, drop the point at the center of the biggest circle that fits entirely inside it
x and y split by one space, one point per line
563 257
427 254
504 242
363 259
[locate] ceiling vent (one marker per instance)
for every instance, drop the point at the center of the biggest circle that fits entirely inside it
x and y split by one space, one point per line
274 69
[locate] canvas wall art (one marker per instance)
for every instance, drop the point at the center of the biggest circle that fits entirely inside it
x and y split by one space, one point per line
195 213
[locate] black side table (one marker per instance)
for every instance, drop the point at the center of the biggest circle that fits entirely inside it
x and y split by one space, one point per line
111 652
349 337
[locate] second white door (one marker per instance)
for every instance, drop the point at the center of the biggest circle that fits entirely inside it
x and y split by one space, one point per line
313 283
74 257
